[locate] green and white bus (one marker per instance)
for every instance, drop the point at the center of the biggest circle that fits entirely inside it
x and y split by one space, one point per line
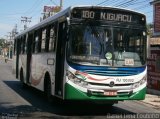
89 53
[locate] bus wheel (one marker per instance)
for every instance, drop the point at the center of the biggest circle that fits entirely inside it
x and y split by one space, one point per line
47 90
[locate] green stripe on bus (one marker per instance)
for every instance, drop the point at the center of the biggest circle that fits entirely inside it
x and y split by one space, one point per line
75 94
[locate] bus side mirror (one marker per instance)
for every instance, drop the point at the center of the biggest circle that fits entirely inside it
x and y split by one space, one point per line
68 21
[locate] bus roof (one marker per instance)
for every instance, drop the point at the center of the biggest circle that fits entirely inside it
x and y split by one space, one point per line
110 7
67 10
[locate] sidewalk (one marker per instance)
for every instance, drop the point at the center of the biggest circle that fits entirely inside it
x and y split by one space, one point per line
152 98
2 58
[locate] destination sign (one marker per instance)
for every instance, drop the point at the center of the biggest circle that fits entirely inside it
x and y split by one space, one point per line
108 14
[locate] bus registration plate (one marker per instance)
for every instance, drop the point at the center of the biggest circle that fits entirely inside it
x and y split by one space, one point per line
110 93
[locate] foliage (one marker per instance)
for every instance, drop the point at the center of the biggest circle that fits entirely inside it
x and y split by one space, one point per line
149 29
2 41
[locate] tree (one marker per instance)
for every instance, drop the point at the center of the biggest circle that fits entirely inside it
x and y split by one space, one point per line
2 43
150 29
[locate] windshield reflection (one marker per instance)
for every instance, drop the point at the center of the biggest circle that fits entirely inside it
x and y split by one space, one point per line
106 46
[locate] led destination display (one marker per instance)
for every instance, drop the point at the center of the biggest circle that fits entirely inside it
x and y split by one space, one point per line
108 15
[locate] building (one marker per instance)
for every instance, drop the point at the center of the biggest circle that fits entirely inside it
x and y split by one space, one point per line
156 17
156 21
154 57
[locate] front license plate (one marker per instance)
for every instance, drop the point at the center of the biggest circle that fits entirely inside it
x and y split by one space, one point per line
110 93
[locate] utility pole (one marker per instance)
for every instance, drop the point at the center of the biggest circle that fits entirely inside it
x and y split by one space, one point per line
61 4
14 31
10 43
10 35
26 20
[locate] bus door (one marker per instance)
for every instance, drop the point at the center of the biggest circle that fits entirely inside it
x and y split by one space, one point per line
60 59
29 55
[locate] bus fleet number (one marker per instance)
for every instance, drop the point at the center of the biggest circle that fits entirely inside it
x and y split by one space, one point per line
88 14
125 80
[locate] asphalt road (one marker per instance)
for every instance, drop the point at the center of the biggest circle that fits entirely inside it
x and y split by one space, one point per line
17 102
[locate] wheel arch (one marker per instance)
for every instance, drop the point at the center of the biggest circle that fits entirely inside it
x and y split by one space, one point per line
47 79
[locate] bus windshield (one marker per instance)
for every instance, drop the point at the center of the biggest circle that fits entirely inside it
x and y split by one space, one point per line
107 46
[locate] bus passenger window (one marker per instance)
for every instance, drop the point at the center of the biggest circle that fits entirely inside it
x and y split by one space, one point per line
21 46
24 44
36 44
43 40
47 39
15 47
52 39
39 40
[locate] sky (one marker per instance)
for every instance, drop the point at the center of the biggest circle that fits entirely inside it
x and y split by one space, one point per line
11 11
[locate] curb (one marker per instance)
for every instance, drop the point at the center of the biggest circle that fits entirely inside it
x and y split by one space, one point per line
156 106
153 100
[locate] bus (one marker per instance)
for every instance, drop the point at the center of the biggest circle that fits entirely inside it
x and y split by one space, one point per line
85 53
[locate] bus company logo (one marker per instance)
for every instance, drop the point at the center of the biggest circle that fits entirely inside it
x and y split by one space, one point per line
111 84
85 76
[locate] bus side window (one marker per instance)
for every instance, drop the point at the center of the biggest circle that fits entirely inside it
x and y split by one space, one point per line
43 40
24 44
21 45
47 38
37 39
25 47
52 39
36 43
14 51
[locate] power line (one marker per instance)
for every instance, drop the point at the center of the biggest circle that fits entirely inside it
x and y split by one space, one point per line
124 4
107 2
53 2
111 3
142 6
102 2
35 4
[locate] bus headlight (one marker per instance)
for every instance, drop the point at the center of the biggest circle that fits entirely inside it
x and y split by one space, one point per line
76 80
135 85
139 83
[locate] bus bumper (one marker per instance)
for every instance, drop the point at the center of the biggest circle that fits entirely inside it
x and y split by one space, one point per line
72 93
